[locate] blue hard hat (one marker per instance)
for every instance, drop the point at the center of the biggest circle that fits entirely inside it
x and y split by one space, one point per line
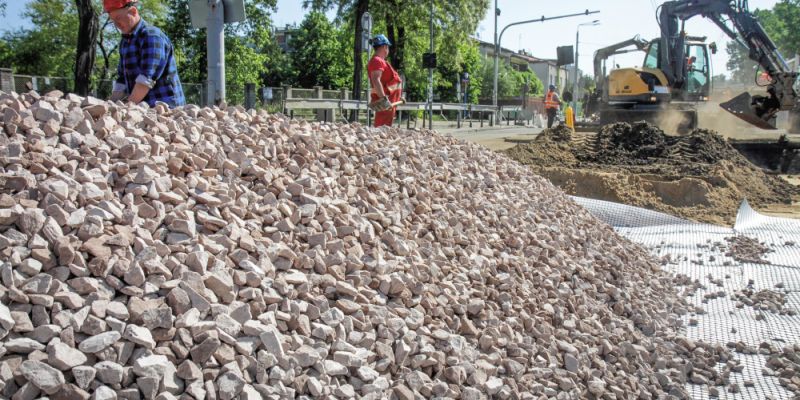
552 87
380 40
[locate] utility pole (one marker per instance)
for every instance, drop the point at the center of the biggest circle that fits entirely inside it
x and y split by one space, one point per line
575 75
497 40
496 52
213 15
215 41
366 26
430 76
575 81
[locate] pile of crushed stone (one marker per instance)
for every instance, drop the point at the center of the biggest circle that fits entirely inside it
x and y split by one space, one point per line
746 249
233 254
699 176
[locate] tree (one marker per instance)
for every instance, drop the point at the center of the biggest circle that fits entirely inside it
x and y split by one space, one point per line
68 53
88 30
405 23
742 68
781 25
2 8
509 81
350 12
251 55
317 53
54 29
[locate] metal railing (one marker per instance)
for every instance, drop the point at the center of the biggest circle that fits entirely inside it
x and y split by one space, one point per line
328 108
195 93
321 104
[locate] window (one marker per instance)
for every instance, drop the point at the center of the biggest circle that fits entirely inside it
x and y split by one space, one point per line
697 68
651 59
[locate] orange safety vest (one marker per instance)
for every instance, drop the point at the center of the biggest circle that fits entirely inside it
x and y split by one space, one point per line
549 102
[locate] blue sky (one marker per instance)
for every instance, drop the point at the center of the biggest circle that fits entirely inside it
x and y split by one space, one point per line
619 20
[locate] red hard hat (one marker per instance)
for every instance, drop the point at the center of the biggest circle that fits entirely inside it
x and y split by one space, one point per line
111 5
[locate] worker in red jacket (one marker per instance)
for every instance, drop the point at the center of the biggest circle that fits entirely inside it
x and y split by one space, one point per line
387 88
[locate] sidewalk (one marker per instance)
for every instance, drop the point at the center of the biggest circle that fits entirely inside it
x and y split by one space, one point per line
493 137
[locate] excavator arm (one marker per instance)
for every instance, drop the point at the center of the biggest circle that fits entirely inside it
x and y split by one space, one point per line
735 19
617 48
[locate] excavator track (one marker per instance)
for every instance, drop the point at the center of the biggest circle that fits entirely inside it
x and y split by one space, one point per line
679 121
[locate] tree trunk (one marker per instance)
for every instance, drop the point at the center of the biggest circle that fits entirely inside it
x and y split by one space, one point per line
395 33
358 67
87 37
400 52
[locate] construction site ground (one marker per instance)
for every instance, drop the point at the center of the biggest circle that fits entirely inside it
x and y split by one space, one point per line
707 192
699 177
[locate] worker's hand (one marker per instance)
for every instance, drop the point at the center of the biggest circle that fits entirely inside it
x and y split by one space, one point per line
381 104
139 93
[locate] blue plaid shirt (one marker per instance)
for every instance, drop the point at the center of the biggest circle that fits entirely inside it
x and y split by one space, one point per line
146 57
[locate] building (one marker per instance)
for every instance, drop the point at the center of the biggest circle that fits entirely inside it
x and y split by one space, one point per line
545 70
550 74
283 36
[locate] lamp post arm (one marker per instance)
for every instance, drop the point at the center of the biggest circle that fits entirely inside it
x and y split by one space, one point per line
541 19
499 39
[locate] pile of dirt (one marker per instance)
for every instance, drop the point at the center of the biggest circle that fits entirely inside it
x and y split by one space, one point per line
699 176
558 134
545 150
627 144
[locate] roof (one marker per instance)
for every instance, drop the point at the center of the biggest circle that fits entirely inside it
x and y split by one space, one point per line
503 50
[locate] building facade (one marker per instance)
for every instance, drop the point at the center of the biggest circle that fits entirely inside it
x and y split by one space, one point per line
545 70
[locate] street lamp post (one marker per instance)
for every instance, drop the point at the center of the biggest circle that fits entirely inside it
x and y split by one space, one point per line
499 39
430 76
575 81
496 51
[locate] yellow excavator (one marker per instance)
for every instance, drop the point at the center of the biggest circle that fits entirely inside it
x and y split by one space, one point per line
645 93
675 74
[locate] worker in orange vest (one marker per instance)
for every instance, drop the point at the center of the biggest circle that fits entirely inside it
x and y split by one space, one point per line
386 85
551 105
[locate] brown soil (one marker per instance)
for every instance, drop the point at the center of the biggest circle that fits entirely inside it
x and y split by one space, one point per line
698 176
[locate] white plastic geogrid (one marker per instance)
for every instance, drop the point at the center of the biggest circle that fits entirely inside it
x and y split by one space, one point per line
693 251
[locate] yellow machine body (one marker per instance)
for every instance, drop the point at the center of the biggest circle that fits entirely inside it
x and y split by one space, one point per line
641 85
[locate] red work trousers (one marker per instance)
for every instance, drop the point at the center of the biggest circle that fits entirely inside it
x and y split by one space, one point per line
384 117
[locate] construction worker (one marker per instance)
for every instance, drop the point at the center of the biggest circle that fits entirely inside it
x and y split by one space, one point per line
147 71
551 105
386 85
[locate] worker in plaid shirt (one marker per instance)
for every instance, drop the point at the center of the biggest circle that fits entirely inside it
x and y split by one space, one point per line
147 70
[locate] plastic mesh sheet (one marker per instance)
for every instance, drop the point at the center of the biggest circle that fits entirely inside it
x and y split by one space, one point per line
698 251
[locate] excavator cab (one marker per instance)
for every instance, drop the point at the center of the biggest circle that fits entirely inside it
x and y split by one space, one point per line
693 82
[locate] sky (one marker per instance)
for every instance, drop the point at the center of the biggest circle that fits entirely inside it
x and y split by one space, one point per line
619 20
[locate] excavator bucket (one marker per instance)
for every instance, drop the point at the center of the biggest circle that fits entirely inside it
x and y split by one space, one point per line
742 106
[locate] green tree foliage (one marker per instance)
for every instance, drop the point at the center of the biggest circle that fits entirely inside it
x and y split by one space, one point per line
251 54
780 23
326 56
510 81
742 68
49 48
2 8
406 24
55 28
318 55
